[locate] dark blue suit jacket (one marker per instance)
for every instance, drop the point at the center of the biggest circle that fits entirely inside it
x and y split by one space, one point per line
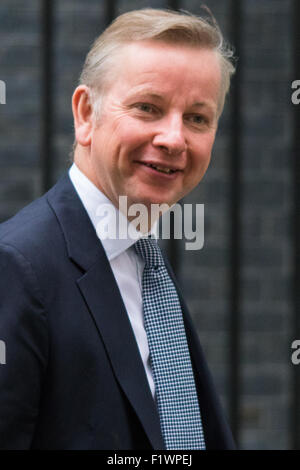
73 377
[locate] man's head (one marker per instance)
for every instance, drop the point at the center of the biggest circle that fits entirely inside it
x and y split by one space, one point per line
151 92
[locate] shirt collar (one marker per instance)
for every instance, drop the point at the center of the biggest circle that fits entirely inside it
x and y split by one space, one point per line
96 203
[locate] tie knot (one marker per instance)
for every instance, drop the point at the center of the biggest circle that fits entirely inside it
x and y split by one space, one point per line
149 251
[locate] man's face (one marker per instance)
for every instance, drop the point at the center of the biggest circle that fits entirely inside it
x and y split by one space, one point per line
159 114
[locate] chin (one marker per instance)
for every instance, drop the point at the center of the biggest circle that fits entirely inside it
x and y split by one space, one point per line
154 199
155 196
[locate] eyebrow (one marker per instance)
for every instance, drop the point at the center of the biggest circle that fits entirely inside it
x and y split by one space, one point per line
209 105
147 93
201 104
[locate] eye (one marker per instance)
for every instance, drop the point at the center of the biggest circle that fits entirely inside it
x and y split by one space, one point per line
146 108
199 121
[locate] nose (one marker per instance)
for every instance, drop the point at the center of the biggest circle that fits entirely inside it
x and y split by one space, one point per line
170 135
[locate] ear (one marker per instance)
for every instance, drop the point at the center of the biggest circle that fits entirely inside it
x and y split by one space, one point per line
82 112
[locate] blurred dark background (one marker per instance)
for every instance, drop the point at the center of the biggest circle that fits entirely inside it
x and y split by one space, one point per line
242 287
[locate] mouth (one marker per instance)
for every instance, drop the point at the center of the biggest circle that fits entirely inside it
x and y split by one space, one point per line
161 169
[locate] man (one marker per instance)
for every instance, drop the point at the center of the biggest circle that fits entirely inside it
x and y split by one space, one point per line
83 361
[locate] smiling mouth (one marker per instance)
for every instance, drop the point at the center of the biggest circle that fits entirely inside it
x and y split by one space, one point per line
167 171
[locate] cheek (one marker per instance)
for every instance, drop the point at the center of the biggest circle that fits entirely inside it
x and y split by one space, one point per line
200 160
202 152
134 132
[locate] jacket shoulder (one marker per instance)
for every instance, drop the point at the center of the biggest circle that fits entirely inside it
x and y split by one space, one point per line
29 227
34 230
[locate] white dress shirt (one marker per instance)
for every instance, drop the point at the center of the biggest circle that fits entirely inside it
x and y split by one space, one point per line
125 263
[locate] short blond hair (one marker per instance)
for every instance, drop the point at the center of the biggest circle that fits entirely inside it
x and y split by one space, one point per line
158 25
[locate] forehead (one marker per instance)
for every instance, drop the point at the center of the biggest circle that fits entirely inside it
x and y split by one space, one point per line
160 68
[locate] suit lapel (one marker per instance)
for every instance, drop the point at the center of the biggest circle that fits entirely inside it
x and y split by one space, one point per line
114 327
101 293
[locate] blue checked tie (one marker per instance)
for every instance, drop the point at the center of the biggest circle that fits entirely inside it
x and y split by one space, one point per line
175 388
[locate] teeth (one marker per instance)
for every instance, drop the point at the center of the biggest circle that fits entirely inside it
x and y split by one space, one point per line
165 170
159 168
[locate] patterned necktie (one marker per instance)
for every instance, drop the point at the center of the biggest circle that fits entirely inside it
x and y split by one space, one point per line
175 388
